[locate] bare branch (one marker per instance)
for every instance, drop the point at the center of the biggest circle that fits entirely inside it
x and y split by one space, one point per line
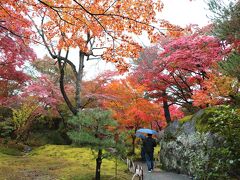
110 6
53 8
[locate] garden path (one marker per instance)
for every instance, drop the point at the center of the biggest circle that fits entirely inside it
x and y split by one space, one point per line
159 174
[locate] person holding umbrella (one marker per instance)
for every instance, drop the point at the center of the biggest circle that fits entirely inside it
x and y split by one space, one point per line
148 145
142 149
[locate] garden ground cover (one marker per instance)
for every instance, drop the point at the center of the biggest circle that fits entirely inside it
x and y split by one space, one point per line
56 162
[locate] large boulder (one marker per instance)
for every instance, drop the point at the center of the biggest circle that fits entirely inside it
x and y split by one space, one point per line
186 149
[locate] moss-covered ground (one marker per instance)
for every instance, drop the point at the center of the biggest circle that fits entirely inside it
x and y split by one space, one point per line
56 162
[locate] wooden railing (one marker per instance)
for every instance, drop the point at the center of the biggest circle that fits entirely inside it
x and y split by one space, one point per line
135 169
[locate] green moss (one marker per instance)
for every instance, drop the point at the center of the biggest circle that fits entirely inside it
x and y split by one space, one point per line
9 151
58 162
208 122
202 121
185 119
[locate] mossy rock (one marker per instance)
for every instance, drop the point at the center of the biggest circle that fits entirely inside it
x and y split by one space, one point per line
202 120
223 122
209 137
215 118
185 119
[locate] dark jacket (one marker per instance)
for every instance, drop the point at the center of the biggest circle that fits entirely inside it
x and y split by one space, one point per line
148 144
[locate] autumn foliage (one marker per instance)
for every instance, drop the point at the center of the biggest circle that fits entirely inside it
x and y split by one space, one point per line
179 68
14 49
217 89
179 73
90 25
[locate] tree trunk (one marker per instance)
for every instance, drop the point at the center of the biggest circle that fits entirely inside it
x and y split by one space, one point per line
62 117
79 81
98 165
166 108
133 144
61 81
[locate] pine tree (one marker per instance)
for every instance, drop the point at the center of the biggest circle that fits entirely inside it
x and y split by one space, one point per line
93 127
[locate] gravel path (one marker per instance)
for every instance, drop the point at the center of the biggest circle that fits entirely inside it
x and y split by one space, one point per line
158 174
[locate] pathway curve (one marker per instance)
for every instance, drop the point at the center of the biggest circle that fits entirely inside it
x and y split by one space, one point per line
159 174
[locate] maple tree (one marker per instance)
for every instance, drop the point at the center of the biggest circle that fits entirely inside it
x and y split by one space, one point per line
148 56
93 92
217 89
98 29
45 93
13 22
180 67
15 31
44 88
131 110
14 54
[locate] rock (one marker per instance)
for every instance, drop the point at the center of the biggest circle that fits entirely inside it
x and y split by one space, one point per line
160 135
189 127
184 149
27 149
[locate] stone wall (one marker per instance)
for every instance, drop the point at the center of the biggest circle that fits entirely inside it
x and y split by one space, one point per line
185 150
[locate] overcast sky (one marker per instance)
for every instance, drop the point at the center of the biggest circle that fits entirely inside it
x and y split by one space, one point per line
179 12
184 12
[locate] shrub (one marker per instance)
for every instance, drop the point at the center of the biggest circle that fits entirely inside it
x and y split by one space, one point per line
6 129
224 160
